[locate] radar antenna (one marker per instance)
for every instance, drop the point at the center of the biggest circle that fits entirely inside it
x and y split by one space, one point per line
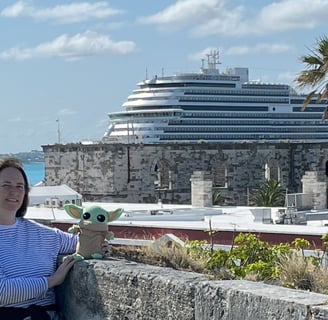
213 59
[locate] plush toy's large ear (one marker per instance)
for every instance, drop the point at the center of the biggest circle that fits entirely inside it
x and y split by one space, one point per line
114 215
73 210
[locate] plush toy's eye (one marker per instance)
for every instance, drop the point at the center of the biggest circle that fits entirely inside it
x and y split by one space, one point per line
101 218
86 215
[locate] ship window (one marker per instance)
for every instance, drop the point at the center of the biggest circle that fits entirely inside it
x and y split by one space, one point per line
327 168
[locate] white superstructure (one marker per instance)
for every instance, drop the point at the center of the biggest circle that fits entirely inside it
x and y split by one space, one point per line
209 106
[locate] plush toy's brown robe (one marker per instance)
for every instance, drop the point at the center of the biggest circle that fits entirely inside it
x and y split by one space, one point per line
91 237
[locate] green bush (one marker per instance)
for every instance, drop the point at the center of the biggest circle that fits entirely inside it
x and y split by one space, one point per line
249 258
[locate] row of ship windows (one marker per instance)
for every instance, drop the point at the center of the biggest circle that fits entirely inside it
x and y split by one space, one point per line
218 99
209 112
251 86
136 130
259 122
144 115
186 84
205 77
266 86
131 118
247 129
222 118
214 122
238 137
246 112
284 93
201 107
209 108
251 115
236 92
234 99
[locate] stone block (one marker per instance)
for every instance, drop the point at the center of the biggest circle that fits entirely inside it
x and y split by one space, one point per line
118 289
245 300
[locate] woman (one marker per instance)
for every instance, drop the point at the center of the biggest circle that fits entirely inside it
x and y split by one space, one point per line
28 252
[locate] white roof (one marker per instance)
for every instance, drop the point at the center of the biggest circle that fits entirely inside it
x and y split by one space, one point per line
53 191
187 217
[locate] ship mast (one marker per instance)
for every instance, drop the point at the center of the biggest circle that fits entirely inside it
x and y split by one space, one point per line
212 62
212 59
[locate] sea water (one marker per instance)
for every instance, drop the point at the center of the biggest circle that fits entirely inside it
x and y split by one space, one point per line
35 172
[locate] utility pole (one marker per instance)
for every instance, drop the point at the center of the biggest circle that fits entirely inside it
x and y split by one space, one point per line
58 130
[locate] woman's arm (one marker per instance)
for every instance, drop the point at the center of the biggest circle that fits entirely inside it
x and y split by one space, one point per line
59 276
20 289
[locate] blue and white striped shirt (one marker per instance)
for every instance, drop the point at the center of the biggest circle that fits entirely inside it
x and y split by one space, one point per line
28 255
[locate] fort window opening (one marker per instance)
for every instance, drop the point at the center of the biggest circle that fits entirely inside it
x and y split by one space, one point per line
272 170
219 173
162 175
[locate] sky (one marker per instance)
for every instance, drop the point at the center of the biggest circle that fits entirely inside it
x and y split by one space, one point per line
65 64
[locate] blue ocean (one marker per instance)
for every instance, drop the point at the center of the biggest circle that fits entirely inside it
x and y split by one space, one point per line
35 172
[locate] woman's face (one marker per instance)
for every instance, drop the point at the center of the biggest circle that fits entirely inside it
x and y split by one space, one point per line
12 190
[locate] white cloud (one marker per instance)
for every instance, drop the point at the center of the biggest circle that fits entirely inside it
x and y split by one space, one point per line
67 13
17 119
267 48
198 56
291 14
218 17
67 112
186 13
75 47
287 77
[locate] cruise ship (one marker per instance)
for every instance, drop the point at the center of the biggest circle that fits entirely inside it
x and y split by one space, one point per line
210 106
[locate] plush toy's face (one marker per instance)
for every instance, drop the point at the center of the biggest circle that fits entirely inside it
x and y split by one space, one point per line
92 214
95 215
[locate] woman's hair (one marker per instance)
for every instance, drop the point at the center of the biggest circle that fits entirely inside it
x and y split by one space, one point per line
15 163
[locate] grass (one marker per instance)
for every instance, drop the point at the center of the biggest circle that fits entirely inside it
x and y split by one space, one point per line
174 257
289 268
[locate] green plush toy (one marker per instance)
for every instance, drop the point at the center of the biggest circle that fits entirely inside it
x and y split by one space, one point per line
92 229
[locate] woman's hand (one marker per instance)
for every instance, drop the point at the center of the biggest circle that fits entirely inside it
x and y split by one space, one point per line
59 276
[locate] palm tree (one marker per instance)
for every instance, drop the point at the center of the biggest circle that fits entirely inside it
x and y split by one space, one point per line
217 198
271 194
316 73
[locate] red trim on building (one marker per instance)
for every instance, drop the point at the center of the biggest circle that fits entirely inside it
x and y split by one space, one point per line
220 238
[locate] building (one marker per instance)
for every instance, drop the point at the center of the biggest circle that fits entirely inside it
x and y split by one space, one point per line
53 196
145 173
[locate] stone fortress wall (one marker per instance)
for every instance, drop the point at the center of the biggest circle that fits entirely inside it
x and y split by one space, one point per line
138 173
123 290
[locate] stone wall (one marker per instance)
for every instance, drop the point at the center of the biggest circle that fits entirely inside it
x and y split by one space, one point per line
201 189
123 290
125 173
315 183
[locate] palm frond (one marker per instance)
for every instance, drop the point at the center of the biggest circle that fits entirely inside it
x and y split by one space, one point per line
316 73
308 100
325 114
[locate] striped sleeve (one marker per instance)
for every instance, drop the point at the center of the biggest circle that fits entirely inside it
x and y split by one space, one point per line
67 242
28 256
15 290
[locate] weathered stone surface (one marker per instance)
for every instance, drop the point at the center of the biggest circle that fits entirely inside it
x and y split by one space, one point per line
125 173
320 312
241 300
123 290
